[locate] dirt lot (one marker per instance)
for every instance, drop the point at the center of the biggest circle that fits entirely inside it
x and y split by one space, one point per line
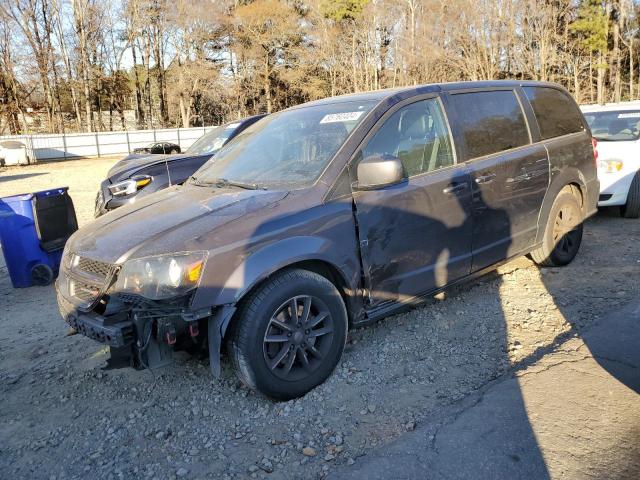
61 416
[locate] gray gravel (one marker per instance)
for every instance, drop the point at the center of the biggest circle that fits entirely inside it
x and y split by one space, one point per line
61 416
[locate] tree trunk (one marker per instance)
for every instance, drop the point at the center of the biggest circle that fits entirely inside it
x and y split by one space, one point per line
354 67
162 94
267 82
631 69
576 82
140 120
111 108
601 74
123 121
591 97
617 87
146 60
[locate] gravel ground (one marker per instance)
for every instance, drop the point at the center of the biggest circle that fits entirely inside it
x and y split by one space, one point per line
61 416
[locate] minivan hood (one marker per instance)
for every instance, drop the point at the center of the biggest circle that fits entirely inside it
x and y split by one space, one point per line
131 163
167 221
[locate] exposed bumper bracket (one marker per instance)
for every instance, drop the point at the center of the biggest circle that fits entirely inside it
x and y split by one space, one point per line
115 335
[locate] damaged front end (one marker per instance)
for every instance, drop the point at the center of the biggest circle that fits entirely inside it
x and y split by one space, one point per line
142 309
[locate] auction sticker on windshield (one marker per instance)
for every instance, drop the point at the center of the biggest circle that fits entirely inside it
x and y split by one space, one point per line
629 115
341 117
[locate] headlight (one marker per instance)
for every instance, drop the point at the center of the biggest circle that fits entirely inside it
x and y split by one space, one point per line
130 186
162 277
611 166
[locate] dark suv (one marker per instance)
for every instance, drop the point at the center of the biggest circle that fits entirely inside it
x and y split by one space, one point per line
135 176
332 214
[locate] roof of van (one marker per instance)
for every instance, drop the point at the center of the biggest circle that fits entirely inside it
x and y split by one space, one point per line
378 95
611 107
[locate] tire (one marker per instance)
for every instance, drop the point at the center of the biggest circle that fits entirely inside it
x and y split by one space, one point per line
562 233
270 358
173 151
631 209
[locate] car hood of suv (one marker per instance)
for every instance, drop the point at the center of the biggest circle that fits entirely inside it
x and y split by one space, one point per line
124 168
175 219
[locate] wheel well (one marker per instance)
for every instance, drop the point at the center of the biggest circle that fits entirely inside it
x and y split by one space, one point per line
577 192
332 274
320 267
573 187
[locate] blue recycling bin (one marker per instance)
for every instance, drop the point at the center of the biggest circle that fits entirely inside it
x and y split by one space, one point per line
33 230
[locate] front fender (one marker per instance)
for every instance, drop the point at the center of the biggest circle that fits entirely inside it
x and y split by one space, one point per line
262 263
279 255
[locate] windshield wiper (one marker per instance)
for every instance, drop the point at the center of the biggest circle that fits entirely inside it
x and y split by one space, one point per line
223 182
199 183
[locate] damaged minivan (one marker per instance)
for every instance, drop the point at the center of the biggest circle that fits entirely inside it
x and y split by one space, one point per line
331 215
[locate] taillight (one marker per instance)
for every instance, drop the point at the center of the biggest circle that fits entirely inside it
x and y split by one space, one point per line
594 143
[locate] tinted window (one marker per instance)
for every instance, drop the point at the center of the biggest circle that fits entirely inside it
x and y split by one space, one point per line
556 112
418 135
491 122
614 126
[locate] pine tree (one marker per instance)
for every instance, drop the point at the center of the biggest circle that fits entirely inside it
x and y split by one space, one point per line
592 26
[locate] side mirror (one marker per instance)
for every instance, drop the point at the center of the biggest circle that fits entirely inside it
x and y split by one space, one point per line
378 171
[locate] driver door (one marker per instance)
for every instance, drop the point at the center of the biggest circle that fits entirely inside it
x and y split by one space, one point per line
414 236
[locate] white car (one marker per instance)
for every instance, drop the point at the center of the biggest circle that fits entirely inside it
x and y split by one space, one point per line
13 152
616 127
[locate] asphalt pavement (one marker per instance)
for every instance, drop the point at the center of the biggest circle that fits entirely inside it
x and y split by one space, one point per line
573 412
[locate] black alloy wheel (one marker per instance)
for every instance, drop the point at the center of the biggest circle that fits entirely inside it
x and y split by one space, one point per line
288 334
298 337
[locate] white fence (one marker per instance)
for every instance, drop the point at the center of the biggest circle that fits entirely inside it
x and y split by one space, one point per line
74 145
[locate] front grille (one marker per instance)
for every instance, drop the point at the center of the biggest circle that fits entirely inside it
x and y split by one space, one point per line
94 267
86 278
83 291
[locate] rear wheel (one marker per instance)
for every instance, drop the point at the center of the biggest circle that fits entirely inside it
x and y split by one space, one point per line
562 234
290 334
631 209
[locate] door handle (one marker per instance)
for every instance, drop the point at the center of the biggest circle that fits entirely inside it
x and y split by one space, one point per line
485 178
454 187
525 177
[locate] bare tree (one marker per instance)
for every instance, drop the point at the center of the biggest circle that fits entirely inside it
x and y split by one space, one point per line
32 17
204 61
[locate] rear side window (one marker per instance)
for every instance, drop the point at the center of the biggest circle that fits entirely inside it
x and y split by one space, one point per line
491 122
556 112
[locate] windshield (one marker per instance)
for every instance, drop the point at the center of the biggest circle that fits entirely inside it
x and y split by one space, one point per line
614 126
288 149
213 141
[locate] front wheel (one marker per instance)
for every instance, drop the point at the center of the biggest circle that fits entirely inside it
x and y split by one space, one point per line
289 335
631 209
562 233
